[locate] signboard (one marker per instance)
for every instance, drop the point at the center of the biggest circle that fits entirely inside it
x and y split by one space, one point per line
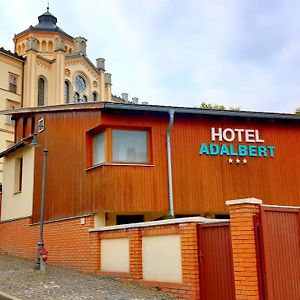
41 125
237 142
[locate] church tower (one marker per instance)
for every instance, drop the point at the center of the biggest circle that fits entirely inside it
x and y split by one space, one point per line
57 69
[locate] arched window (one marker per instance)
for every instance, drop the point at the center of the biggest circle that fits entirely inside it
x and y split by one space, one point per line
84 98
76 98
50 46
44 46
95 97
41 92
67 92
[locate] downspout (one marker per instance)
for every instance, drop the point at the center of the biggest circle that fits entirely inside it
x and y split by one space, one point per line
169 159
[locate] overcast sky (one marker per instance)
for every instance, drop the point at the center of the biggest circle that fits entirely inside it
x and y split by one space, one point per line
243 53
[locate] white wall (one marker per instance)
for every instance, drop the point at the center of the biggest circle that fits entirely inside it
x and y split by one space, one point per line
18 205
162 258
115 255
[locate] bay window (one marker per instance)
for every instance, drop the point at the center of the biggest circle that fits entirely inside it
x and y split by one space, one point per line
99 148
120 146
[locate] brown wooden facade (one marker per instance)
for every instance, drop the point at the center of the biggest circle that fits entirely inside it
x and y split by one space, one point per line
201 183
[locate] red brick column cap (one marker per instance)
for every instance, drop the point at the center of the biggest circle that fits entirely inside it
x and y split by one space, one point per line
244 201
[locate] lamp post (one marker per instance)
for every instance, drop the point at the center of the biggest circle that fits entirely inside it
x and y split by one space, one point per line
41 127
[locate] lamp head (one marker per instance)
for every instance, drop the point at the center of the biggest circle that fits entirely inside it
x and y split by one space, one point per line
34 141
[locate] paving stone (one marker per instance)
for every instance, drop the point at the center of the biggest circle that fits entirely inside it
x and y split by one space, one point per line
18 278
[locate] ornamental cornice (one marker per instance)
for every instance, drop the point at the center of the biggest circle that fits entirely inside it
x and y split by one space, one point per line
88 67
43 64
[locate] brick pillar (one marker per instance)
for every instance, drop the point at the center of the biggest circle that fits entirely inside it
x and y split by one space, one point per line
135 254
190 263
243 247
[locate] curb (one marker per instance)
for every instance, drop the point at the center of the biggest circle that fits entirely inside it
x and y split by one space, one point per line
6 296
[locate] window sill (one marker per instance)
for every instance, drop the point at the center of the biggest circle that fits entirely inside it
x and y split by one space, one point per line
18 192
118 164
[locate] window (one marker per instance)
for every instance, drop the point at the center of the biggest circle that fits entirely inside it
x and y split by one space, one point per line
120 146
41 92
99 148
84 98
95 98
76 98
127 219
129 146
13 83
18 174
10 105
67 92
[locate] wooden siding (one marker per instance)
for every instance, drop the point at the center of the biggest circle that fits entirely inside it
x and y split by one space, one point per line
200 183
73 190
204 183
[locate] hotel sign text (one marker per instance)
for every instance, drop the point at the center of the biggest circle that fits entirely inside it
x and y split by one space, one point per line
247 143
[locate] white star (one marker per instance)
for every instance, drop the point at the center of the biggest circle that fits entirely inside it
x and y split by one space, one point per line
244 161
237 160
230 160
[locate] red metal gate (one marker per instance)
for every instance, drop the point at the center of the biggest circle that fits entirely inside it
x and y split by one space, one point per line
278 241
215 261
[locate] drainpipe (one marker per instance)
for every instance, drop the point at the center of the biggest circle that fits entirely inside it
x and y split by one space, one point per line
170 183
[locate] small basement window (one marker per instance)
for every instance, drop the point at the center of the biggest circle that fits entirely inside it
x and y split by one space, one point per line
127 219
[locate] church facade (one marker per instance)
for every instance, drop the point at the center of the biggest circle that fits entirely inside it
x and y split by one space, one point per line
48 67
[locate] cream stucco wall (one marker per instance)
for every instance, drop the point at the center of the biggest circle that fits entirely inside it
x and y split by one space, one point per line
162 258
99 219
115 255
8 65
18 204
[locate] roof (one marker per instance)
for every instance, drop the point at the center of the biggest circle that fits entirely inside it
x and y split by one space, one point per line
187 111
11 54
117 98
47 23
17 146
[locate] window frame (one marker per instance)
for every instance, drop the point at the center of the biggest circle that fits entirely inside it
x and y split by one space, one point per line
109 146
13 83
18 175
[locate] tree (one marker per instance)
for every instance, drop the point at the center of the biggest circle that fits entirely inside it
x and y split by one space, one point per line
297 111
217 107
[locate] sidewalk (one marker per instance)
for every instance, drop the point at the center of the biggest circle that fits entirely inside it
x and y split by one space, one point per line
17 278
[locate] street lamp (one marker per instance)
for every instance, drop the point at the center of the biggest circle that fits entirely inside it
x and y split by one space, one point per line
41 127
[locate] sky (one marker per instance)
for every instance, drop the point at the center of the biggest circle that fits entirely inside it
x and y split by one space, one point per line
183 52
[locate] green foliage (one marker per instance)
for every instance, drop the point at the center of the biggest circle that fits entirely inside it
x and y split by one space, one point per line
217 107
297 111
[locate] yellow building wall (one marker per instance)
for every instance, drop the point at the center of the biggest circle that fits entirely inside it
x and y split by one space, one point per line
18 204
8 100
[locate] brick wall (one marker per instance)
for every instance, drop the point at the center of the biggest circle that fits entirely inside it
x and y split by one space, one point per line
244 247
189 288
69 243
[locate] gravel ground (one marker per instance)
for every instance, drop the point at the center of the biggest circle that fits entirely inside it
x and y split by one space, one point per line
18 278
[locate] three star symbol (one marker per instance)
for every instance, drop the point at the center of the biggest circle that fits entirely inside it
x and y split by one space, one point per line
237 161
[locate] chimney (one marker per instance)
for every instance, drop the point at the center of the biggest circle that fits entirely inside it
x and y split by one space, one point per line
100 64
125 96
135 100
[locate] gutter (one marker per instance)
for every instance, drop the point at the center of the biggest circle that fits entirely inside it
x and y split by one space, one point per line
199 111
169 159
